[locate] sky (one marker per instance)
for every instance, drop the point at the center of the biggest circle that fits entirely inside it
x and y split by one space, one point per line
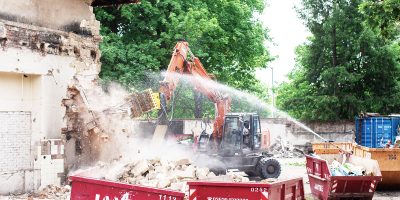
287 32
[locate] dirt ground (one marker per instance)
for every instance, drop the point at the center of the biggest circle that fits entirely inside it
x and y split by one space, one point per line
295 167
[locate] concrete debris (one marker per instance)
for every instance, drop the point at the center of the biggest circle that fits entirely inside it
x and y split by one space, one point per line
55 192
284 149
162 173
47 193
184 161
140 168
159 173
238 176
202 173
3 31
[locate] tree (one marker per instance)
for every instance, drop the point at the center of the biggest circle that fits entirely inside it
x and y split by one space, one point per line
223 34
139 38
383 16
343 69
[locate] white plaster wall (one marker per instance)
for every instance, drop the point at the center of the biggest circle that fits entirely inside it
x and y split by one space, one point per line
39 92
47 91
48 13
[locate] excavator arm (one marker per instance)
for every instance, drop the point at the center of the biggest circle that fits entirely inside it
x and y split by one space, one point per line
184 62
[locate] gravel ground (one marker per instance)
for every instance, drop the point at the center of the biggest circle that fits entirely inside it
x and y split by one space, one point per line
295 167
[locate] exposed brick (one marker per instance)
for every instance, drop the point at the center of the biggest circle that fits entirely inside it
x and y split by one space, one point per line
15 136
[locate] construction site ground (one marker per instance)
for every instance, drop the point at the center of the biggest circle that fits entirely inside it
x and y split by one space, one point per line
291 168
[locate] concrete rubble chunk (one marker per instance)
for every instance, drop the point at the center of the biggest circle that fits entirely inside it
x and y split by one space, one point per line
202 173
3 31
115 172
178 186
189 172
151 175
184 161
163 183
131 180
245 179
211 174
162 169
140 168
164 162
221 178
154 161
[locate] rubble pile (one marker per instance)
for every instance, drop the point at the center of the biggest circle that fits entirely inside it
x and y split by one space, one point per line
161 173
283 149
158 173
54 192
49 192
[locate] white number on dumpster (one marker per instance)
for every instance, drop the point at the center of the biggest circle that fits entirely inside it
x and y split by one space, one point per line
258 189
124 197
166 197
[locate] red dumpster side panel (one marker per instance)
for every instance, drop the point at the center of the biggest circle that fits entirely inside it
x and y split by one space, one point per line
92 189
324 186
319 176
291 189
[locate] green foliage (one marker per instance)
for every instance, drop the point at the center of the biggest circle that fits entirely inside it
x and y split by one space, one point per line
343 69
223 34
138 39
383 16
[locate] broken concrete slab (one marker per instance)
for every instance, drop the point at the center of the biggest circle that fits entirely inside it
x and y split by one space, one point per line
201 173
183 161
140 168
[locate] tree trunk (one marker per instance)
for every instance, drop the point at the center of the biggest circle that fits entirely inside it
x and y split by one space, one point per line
334 46
198 104
334 54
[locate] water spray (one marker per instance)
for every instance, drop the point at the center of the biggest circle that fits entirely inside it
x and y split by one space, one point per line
249 98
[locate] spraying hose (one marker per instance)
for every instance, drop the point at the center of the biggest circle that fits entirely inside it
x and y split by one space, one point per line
330 143
316 134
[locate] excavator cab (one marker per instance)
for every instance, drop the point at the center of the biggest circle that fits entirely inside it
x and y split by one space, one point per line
240 146
241 134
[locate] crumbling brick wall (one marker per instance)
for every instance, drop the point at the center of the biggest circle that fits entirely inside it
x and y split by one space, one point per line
55 55
82 130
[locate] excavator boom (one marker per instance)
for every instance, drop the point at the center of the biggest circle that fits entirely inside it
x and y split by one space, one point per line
184 62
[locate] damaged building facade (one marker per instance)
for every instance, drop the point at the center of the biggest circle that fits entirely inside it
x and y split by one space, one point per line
45 46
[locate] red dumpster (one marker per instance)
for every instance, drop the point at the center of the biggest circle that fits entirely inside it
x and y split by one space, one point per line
282 190
325 186
87 188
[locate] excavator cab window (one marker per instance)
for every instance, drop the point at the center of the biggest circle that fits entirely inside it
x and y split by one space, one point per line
232 134
256 132
246 134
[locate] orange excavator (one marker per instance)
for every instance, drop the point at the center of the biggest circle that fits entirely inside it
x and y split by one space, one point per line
236 137
184 62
